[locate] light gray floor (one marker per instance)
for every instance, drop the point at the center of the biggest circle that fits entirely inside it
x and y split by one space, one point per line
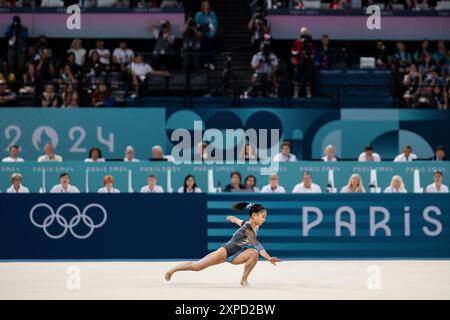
386 279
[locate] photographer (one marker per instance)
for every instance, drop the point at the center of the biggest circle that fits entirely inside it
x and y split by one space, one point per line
192 38
258 26
164 44
207 24
302 59
16 34
265 64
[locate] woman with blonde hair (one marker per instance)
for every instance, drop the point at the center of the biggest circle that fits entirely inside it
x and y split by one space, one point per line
396 186
108 182
354 184
80 53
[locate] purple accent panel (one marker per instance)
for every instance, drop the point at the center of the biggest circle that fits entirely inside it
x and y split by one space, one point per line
354 27
104 25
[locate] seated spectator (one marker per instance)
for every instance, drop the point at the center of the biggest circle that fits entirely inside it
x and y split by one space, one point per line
122 56
93 69
285 155
69 97
7 97
329 154
75 69
158 155
152 186
411 82
248 153
250 184
307 185
64 185
76 47
49 97
104 53
164 46
369 156
406 155
323 56
439 154
13 154
420 55
45 67
95 155
49 154
129 155
427 65
401 58
302 60
108 187
35 51
201 153
100 97
297 4
207 24
190 185
437 186
17 187
140 71
190 49
235 183
52 3
339 4
66 76
29 80
396 186
259 27
381 57
354 184
273 186
441 56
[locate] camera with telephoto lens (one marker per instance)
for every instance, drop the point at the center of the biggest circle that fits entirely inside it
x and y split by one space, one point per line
265 50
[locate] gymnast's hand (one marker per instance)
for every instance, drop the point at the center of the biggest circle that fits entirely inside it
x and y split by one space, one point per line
274 260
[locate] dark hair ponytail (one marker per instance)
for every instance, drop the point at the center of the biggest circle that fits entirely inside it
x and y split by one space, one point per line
251 206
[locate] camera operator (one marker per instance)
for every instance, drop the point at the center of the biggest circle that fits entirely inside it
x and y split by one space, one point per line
16 34
258 26
265 64
207 24
163 50
192 38
302 59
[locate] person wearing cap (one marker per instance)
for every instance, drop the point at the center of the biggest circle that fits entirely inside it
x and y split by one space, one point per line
439 154
406 155
285 155
64 185
129 155
108 182
17 187
49 154
369 156
13 155
437 186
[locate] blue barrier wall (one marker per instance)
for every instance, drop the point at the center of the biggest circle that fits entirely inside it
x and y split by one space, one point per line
152 226
88 177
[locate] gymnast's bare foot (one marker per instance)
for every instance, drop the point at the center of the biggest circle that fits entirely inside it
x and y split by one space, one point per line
244 283
168 275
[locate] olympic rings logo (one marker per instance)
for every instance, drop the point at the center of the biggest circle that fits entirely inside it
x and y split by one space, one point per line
72 223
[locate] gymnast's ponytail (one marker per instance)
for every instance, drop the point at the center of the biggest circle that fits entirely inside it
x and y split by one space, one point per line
250 206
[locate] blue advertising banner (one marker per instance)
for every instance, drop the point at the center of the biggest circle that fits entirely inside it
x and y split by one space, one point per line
188 226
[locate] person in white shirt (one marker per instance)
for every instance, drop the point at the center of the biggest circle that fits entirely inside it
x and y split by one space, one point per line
396 186
329 154
307 186
49 154
273 186
250 184
354 184
139 71
190 185
80 53
437 186
151 186
108 182
17 187
369 156
103 53
285 155
158 155
13 155
406 155
129 155
95 155
64 185
122 56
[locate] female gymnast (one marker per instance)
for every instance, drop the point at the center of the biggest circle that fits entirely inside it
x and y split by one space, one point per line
243 247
